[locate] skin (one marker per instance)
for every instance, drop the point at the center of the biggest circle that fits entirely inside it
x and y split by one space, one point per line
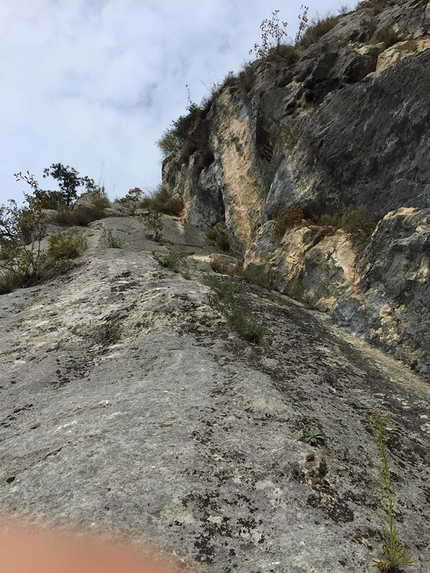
24 550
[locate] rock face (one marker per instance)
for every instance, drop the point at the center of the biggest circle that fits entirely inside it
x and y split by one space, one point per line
128 404
344 127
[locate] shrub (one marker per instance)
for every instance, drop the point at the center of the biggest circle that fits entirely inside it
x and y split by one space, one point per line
352 219
68 181
175 136
82 216
296 290
154 225
29 265
284 55
369 24
395 554
286 219
247 329
110 240
218 235
9 281
234 309
65 246
303 19
377 5
246 79
387 35
162 202
317 29
173 261
132 200
223 268
10 224
257 275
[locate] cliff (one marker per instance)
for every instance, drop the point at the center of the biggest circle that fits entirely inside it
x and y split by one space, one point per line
317 164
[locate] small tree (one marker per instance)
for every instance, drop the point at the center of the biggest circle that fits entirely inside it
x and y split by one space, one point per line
9 227
68 181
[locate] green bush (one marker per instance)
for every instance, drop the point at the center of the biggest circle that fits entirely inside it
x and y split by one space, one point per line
317 29
295 289
162 202
110 240
154 225
257 275
387 35
218 235
173 261
30 265
247 329
68 181
377 5
66 245
353 219
81 217
284 55
132 200
234 309
175 136
9 281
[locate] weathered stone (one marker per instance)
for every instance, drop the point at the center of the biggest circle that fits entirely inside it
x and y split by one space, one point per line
401 50
129 405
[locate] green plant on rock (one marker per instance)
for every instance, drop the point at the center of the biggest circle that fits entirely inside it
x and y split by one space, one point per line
161 200
218 235
232 305
314 437
176 135
296 289
388 35
395 554
11 218
132 200
353 219
173 261
255 274
154 224
377 5
110 240
30 265
287 137
317 29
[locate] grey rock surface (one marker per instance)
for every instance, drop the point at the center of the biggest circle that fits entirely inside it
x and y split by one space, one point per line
129 405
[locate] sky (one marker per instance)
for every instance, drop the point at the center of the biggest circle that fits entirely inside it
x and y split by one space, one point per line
94 83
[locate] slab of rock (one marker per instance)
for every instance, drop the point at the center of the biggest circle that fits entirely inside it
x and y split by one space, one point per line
129 405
